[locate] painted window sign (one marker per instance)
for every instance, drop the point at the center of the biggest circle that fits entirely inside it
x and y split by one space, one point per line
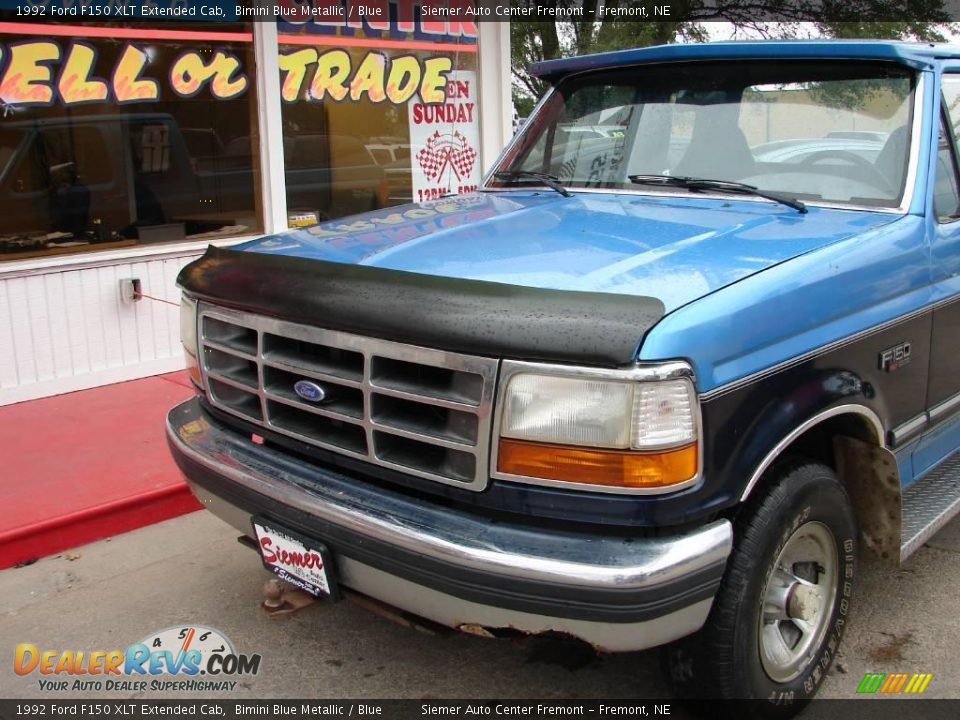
44 72
333 74
445 139
386 94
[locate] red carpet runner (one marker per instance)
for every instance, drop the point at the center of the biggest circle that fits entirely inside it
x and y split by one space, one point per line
87 465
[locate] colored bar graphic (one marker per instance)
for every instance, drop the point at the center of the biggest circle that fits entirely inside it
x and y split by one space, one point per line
871 683
894 683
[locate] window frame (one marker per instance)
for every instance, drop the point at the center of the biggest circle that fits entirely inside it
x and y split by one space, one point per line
947 121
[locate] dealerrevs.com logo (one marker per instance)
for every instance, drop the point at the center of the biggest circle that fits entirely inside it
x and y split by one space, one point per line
191 658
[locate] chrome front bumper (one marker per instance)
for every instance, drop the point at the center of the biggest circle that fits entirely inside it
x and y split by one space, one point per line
453 567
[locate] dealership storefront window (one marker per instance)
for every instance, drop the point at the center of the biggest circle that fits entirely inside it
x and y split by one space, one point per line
369 121
126 147
142 133
141 136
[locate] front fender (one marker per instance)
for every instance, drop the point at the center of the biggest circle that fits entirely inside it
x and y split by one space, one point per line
747 429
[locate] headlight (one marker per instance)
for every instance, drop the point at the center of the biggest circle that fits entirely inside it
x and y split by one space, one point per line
599 432
568 410
188 337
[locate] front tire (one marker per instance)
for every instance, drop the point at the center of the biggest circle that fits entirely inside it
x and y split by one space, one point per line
782 607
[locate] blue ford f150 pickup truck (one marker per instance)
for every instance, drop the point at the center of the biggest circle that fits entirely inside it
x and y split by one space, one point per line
692 345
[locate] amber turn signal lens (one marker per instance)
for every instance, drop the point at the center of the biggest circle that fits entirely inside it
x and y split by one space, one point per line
194 372
608 468
193 369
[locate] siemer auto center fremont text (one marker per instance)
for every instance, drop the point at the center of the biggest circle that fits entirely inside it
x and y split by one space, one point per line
470 12
539 709
450 709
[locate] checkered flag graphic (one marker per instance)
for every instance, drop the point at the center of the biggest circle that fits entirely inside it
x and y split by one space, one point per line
442 151
431 158
462 158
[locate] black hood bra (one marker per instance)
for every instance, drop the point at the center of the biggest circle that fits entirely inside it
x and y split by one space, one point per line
467 316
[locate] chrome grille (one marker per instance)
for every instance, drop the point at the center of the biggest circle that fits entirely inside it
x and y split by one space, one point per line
417 410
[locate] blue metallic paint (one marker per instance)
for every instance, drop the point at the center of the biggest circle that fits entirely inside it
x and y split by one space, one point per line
694 253
821 298
744 424
674 248
801 306
941 442
904 458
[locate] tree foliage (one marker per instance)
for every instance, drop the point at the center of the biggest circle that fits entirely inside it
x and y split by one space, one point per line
533 41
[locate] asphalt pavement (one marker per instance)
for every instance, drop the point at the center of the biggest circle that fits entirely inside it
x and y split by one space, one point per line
192 571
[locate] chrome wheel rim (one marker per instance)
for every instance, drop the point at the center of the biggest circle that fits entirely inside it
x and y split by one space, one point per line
798 602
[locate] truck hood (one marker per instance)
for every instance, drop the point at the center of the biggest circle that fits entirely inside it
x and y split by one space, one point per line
673 248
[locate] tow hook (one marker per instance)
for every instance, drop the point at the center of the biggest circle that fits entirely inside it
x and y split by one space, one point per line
281 599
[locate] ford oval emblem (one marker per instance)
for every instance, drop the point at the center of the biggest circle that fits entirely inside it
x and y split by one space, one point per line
309 391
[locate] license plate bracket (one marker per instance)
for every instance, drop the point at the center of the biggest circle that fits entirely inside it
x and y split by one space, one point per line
297 559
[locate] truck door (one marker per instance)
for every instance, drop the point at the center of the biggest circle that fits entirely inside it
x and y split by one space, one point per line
943 389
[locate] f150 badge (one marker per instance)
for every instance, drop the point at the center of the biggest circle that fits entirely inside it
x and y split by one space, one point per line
892 359
309 391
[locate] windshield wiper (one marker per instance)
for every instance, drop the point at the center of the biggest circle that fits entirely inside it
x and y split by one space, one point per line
692 183
551 181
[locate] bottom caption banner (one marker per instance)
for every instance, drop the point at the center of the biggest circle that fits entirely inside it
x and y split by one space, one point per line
401 709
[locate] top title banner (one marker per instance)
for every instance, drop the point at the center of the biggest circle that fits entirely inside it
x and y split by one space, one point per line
99 10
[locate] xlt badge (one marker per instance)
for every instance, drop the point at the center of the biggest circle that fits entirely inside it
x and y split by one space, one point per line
896 357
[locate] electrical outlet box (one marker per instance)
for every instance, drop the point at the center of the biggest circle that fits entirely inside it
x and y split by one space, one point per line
130 290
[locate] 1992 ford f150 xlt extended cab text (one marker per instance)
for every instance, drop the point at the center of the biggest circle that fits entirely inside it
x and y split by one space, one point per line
692 344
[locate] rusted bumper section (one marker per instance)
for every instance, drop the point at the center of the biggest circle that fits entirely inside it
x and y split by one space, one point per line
453 567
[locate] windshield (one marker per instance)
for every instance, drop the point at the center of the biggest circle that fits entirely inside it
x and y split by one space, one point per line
835 132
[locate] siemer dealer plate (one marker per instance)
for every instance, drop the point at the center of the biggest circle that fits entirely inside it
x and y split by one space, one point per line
296 559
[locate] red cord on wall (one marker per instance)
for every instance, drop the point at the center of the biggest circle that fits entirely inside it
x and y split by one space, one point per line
138 294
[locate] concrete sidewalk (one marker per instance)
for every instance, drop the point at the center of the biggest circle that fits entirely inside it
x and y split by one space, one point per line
191 570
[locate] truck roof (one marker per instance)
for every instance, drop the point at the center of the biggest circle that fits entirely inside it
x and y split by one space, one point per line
917 55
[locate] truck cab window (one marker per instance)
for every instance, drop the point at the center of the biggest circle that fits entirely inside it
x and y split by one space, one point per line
946 196
835 133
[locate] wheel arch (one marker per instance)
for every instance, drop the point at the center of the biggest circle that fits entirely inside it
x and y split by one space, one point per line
850 438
